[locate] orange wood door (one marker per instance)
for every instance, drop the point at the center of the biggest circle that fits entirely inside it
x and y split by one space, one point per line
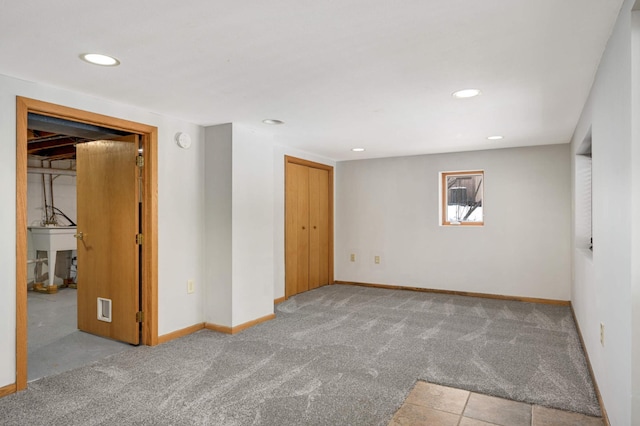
319 227
108 255
297 229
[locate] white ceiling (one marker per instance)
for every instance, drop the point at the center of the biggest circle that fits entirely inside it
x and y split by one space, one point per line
376 74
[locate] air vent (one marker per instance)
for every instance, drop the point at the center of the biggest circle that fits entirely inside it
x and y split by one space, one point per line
104 309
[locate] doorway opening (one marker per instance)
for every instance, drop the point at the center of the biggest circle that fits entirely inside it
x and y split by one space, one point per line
146 193
55 340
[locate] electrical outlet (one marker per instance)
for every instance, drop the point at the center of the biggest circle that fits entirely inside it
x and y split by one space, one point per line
353 257
191 287
376 259
602 334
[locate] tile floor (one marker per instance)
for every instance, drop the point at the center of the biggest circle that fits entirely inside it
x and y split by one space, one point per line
55 344
435 405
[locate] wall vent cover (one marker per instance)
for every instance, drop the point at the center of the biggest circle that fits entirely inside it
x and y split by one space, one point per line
104 309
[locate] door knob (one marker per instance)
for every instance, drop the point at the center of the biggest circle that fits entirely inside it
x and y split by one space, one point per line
79 235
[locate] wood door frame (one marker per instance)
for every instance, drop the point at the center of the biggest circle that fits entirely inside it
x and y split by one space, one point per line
149 137
293 160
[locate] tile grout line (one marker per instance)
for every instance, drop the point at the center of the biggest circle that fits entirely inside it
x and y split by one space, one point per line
464 408
531 421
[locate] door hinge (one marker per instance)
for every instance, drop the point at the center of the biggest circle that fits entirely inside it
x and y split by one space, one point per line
139 239
139 316
140 161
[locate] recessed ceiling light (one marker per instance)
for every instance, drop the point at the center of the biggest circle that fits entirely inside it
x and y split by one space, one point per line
98 59
465 93
357 149
495 138
272 121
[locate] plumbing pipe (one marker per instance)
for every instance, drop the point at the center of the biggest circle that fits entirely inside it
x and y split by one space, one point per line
46 171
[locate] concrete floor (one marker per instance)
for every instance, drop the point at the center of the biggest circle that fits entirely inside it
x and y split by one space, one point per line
55 344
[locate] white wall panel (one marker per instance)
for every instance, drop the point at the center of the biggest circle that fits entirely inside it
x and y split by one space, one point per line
390 208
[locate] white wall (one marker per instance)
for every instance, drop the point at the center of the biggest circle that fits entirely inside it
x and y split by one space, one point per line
180 224
180 204
601 290
635 243
390 208
239 188
252 206
218 224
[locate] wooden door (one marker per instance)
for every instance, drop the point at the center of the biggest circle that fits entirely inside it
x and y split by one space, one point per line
319 228
308 227
108 254
297 229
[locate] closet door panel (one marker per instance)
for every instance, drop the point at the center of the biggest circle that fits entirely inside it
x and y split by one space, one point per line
319 228
297 229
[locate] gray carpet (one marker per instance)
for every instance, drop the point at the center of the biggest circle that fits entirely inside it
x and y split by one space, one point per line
339 355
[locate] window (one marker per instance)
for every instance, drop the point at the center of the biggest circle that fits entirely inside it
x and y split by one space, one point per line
461 198
583 231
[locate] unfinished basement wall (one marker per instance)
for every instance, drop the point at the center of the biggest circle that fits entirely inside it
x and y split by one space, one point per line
64 198
64 192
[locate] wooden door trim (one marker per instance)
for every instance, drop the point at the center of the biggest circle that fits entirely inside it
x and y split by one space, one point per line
294 160
149 136
302 162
